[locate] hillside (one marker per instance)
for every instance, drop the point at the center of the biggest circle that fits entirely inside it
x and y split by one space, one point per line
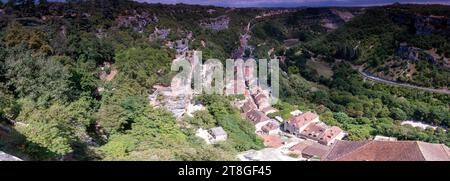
75 78
398 42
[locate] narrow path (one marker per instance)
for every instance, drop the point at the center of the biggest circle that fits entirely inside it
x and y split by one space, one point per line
393 83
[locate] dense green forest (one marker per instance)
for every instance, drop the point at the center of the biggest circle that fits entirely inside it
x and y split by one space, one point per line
321 76
53 55
374 40
51 87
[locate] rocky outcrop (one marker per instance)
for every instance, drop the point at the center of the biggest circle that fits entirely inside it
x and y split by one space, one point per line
138 21
181 46
332 19
426 25
423 24
159 34
219 23
407 52
275 12
344 15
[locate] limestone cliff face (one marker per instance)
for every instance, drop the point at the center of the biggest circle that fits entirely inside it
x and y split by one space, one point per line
426 25
332 19
219 23
407 52
423 24
137 20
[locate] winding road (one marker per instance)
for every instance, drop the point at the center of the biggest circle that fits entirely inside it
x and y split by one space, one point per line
393 83
364 73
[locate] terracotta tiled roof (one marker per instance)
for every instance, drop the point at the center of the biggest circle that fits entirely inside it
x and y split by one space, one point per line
341 148
260 97
434 152
330 134
314 131
257 116
273 141
270 126
316 149
246 93
387 151
303 119
248 106
299 147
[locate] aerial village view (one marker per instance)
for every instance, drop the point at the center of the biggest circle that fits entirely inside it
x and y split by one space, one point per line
95 80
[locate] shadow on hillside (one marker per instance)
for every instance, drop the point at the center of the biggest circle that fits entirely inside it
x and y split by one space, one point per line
16 144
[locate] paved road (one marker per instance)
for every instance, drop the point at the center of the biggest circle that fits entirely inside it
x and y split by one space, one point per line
377 79
389 82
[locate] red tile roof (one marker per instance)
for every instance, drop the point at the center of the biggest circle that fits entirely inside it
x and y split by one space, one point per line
257 116
387 151
248 106
434 152
303 119
330 134
314 131
273 141
270 126
299 147
260 97
316 149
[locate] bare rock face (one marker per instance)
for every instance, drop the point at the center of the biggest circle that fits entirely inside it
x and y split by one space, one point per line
138 21
344 15
274 12
423 24
219 23
407 52
426 25
410 53
159 34
332 19
181 46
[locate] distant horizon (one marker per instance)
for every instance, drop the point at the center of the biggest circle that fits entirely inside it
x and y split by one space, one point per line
293 3
285 3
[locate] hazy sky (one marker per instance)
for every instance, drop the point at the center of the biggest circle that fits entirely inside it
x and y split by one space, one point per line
294 3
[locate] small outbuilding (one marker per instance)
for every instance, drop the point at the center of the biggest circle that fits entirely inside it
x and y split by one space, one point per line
218 134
